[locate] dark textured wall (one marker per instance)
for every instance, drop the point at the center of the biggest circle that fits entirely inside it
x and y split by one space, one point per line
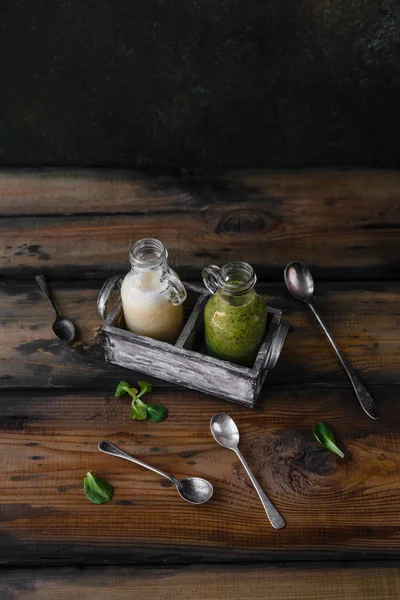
200 82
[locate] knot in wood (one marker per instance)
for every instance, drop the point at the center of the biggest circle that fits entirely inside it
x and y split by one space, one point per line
246 222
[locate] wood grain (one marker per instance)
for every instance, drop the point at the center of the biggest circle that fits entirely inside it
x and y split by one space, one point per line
51 191
333 508
364 318
352 581
55 191
343 224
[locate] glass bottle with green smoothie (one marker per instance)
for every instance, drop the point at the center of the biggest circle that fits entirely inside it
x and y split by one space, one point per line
235 316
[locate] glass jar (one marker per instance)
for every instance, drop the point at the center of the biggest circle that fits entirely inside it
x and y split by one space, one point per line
235 317
152 293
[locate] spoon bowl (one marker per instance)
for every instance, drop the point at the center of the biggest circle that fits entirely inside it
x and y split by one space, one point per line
64 329
225 431
194 489
299 281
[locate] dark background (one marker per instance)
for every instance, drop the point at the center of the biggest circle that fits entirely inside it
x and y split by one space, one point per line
200 82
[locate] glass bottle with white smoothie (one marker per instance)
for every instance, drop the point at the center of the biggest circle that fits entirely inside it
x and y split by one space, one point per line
152 293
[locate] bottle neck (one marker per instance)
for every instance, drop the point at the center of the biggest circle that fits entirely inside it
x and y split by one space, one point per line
151 273
148 254
237 300
149 268
236 281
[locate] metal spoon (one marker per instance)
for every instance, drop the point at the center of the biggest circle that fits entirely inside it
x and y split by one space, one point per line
63 328
226 433
300 284
192 489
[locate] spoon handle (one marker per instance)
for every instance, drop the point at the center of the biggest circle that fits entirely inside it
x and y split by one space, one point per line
109 448
276 519
364 397
42 283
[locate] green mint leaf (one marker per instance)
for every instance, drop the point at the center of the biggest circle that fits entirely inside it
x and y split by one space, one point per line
125 388
97 490
138 412
157 412
325 436
145 387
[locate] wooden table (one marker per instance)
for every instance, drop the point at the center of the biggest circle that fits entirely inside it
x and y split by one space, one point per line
342 537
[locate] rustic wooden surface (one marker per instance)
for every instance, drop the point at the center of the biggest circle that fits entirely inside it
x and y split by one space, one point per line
333 508
57 401
349 581
344 228
364 317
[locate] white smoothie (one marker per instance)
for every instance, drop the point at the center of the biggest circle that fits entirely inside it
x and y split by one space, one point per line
147 308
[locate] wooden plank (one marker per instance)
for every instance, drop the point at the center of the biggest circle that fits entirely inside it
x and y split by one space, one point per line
333 508
364 317
51 191
355 581
343 224
61 191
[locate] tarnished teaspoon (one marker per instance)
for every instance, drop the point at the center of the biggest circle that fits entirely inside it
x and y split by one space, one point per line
63 328
192 489
300 284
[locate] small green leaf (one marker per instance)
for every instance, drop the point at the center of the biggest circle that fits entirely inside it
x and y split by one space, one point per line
97 490
145 387
140 410
157 412
137 412
125 388
324 434
139 402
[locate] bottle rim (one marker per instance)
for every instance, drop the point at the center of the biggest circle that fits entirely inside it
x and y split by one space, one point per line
147 254
236 277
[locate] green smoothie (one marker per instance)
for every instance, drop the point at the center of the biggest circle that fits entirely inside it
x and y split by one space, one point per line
235 326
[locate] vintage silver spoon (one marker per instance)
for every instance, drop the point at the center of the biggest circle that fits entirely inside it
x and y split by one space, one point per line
192 489
63 328
300 284
226 433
